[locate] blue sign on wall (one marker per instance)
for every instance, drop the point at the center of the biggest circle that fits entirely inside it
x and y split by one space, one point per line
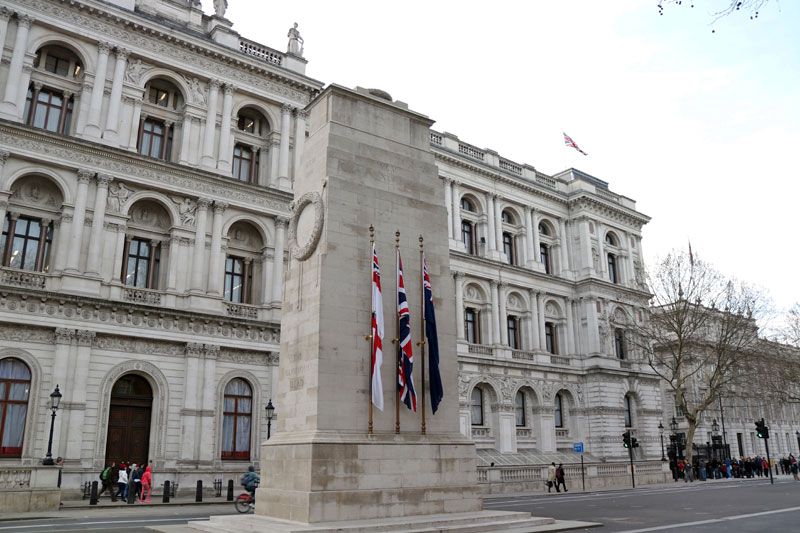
577 447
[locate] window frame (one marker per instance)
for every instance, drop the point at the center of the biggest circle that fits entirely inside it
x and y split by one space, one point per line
33 104
472 318
558 411
628 411
544 257
512 332
519 410
510 248
468 234
9 238
613 274
153 271
476 406
167 137
9 452
230 276
252 163
551 338
234 455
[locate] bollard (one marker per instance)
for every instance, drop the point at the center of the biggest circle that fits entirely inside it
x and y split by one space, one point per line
198 497
165 497
93 501
230 490
131 491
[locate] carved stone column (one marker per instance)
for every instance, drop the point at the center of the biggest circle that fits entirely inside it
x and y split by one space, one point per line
93 262
459 278
224 154
277 267
10 99
192 390
457 213
3 160
570 326
186 137
530 254
136 118
199 244
267 260
217 260
537 243
540 312
207 158
496 334
630 277
562 228
533 296
283 154
112 120
490 231
78 218
299 139
63 339
5 15
96 101
590 306
274 149
601 248
172 267
208 406
503 319
498 223
448 203
80 374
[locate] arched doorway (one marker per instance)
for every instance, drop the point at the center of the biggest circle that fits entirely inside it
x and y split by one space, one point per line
129 420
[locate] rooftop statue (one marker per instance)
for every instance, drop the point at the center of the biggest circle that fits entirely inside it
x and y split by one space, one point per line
219 7
295 42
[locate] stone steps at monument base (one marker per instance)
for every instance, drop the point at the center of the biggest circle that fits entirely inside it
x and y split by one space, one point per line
480 522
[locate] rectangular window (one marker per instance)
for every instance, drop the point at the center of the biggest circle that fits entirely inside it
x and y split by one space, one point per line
245 163
513 332
159 97
519 409
470 326
155 139
56 65
48 109
550 338
142 266
238 280
477 407
619 343
508 248
544 256
612 268
22 244
468 236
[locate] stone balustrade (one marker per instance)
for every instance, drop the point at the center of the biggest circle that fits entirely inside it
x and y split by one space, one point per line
141 296
559 360
241 311
22 278
480 349
260 51
32 488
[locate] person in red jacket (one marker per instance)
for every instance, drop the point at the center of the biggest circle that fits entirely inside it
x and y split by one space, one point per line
147 481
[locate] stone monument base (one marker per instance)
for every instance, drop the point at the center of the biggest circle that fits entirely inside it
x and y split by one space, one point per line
475 522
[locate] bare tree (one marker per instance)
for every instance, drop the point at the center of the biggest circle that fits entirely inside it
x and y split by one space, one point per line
726 7
699 334
791 333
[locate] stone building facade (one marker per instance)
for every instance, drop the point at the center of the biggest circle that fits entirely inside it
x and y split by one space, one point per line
147 156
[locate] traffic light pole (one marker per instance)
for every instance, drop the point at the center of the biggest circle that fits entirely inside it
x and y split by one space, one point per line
630 455
769 463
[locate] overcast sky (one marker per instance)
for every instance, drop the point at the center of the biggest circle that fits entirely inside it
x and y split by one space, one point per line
702 129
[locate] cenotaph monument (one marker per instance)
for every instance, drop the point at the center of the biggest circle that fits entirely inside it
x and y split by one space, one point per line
366 162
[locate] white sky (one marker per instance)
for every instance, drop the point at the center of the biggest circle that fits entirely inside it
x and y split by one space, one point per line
701 129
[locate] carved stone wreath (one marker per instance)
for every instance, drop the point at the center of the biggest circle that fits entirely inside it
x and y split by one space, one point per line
303 246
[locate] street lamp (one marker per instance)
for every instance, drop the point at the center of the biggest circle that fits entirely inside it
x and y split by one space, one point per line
715 435
270 411
673 425
714 427
55 399
661 432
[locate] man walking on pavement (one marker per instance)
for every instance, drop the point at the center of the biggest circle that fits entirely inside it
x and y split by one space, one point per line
551 477
560 477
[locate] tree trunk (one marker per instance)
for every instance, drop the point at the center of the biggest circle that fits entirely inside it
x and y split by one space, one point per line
689 441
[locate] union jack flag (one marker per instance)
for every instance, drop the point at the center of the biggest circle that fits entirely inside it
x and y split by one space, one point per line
569 142
377 332
405 380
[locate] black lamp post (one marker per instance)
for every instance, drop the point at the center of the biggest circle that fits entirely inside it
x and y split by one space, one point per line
661 432
673 425
55 399
270 411
714 433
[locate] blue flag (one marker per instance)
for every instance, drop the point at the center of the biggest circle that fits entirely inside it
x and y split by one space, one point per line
437 391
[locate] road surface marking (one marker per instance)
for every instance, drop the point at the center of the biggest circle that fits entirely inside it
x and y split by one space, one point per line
712 521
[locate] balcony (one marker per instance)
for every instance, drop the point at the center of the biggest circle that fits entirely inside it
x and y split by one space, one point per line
481 432
241 311
261 52
22 278
559 360
141 296
521 354
480 349
524 433
562 433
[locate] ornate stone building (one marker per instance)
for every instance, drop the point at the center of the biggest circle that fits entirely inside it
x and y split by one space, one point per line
147 154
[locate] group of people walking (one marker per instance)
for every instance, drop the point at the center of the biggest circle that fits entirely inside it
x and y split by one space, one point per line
126 479
744 467
555 476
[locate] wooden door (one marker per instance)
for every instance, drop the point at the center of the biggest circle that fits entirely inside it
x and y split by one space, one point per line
129 418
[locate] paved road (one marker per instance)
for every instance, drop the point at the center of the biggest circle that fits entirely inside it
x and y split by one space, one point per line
729 507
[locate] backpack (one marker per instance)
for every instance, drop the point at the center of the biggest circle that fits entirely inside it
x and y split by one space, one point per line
104 473
243 480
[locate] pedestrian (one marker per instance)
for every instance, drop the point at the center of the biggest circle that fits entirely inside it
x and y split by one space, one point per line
795 471
137 479
551 477
687 470
560 477
105 478
147 479
131 483
122 482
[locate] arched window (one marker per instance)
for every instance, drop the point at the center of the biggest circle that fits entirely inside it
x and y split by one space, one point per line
619 343
472 325
148 229
26 243
544 230
512 328
628 415
252 121
550 337
160 110
610 239
612 268
163 93
466 205
477 407
468 236
519 408
507 218
509 248
15 385
544 255
59 61
558 412
237 412
244 246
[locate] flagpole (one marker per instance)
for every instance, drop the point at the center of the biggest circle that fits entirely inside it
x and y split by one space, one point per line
396 339
421 344
370 337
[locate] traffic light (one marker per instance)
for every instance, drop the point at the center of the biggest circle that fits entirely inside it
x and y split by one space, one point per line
626 439
761 429
634 442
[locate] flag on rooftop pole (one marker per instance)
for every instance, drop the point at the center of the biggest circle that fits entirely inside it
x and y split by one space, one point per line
405 380
377 332
569 142
437 391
